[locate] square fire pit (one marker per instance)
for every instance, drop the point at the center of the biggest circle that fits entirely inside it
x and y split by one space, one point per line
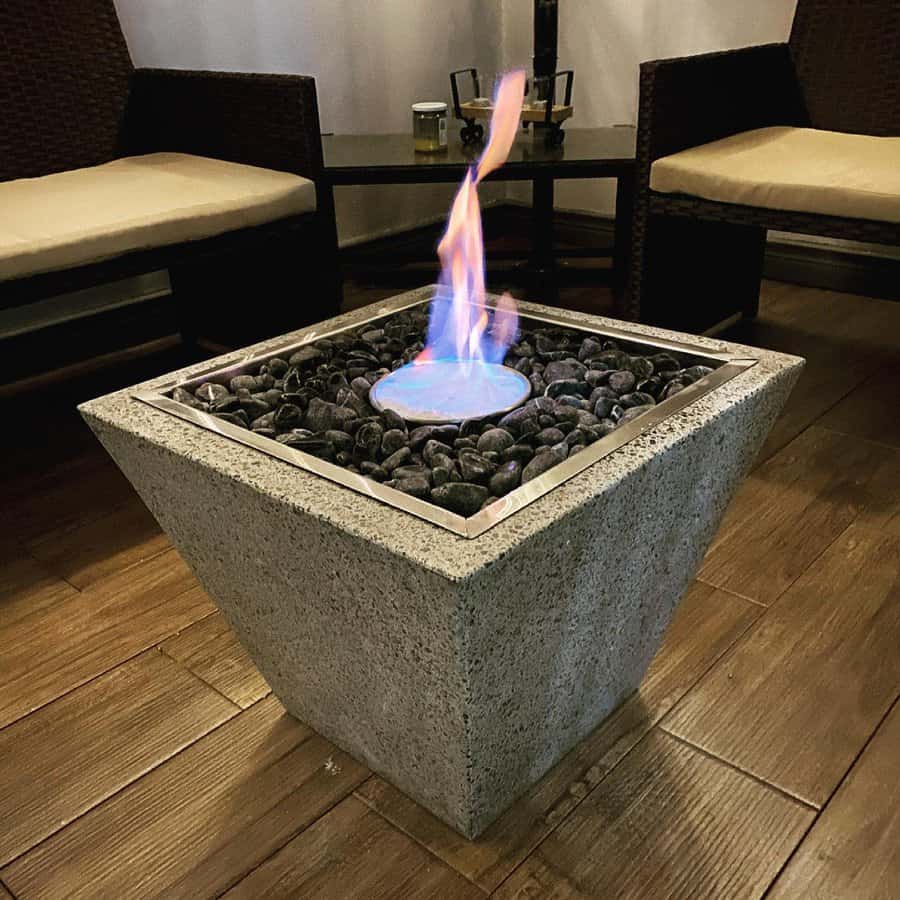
460 656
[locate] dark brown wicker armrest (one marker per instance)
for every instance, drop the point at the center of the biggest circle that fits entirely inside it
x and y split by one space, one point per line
696 99
261 120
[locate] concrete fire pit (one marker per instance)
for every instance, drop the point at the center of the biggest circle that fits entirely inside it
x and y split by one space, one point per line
458 657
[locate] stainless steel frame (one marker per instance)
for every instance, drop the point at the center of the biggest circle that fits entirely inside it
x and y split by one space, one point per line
725 368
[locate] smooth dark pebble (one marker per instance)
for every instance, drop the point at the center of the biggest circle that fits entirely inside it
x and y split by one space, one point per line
459 497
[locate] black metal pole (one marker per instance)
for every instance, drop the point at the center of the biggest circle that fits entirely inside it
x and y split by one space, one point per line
546 18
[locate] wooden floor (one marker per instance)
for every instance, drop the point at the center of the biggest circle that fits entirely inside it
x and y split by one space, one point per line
141 755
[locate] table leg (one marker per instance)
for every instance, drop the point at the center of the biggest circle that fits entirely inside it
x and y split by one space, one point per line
543 261
332 278
622 249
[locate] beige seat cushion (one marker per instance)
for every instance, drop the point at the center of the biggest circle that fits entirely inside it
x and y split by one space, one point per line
798 169
86 215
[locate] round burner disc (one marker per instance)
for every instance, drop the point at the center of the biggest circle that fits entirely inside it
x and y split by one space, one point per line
450 391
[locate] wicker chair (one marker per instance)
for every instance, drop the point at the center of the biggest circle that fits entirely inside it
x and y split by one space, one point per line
696 261
72 99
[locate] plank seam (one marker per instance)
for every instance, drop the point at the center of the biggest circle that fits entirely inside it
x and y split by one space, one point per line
753 777
296 834
653 726
414 839
143 775
837 787
857 437
120 662
185 668
109 797
733 593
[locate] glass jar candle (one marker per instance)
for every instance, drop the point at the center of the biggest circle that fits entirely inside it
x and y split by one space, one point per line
429 127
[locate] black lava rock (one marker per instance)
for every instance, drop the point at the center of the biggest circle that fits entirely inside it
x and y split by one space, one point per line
418 437
180 395
544 461
236 418
320 416
463 499
368 440
633 413
228 403
520 452
506 478
495 440
604 406
568 386
415 485
446 433
373 471
564 370
306 358
254 408
434 448
289 416
393 421
474 467
513 420
549 436
590 347
211 392
471 428
243 383
392 440
595 377
622 382
277 367
340 440
636 398
396 459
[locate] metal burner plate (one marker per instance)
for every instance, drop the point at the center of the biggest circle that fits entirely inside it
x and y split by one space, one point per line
430 393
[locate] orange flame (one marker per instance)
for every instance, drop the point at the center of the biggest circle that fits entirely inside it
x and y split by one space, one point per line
462 332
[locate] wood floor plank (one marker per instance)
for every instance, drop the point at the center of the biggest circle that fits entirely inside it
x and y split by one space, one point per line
853 849
706 624
844 339
66 496
354 854
211 651
52 651
52 440
101 547
198 823
668 822
791 508
799 695
871 411
5 894
74 753
27 587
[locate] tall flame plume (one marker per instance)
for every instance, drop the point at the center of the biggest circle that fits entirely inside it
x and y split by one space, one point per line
461 326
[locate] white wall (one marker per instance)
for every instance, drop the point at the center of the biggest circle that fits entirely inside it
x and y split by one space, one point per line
371 60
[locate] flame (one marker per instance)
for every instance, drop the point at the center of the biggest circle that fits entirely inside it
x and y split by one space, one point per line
461 326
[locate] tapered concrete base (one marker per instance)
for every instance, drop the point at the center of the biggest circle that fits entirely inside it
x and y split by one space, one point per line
461 670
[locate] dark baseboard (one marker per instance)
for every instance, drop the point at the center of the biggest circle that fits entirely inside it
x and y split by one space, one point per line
57 346
853 273
835 270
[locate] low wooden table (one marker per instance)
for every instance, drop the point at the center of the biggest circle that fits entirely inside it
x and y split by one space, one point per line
586 153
